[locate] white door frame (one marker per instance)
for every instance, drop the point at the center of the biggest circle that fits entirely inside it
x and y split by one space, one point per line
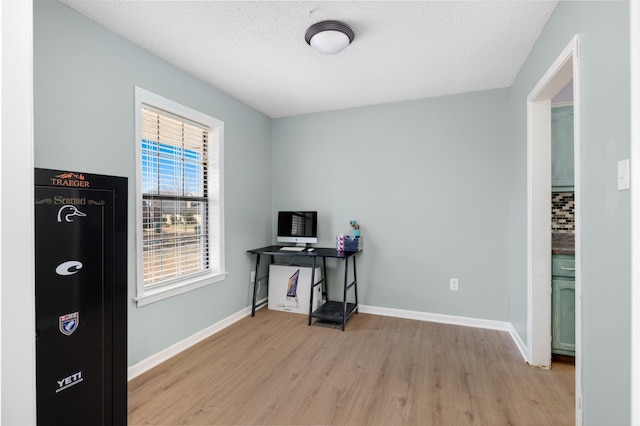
564 68
17 279
635 211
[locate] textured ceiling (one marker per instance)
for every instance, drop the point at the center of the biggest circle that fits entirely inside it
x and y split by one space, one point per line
255 50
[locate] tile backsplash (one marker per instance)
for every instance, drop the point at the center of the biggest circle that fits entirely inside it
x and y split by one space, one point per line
563 213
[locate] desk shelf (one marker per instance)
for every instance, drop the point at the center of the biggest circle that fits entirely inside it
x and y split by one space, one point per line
333 311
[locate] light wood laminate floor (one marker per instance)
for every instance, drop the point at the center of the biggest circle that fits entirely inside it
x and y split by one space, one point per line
274 369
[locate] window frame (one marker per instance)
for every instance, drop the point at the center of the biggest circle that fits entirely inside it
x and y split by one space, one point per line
217 271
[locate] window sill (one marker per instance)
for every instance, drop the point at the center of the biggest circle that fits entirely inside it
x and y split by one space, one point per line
170 290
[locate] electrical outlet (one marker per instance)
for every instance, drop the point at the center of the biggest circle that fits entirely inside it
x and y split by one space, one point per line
253 276
453 284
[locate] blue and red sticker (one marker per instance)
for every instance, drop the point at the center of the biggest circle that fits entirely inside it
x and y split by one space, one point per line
68 323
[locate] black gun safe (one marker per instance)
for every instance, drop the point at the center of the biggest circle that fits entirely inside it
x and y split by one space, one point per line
81 298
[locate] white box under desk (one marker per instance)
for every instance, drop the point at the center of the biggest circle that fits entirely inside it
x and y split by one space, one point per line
290 288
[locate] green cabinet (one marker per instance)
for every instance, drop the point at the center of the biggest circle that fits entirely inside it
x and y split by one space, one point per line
562 148
563 302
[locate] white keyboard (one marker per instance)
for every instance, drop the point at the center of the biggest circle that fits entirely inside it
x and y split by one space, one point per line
292 248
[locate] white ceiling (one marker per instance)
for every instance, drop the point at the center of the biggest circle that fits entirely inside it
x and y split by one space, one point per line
255 50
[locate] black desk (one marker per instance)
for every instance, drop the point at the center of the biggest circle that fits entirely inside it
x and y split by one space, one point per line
331 311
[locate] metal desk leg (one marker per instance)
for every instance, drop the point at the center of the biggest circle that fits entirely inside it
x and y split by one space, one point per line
255 286
313 279
355 282
324 288
344 295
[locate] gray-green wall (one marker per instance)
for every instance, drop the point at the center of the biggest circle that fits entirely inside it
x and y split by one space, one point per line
439 185
427 181
84 78
604 32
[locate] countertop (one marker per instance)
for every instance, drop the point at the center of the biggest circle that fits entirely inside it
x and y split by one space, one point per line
562 243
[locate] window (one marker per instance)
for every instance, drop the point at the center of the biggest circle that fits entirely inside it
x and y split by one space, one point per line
180 244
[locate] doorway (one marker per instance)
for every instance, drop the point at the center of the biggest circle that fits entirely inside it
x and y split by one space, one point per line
564 69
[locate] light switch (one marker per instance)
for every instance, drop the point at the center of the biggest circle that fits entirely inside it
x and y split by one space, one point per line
623 175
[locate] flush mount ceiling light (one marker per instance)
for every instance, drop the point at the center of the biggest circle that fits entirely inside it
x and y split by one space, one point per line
329 37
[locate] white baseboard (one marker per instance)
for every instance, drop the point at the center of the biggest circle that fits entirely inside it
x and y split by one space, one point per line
519 343
160 357
449 319
441 318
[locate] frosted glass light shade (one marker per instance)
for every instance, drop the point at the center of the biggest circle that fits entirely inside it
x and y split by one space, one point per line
329 37
329 42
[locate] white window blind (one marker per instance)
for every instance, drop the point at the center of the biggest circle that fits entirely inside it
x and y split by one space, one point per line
175 188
